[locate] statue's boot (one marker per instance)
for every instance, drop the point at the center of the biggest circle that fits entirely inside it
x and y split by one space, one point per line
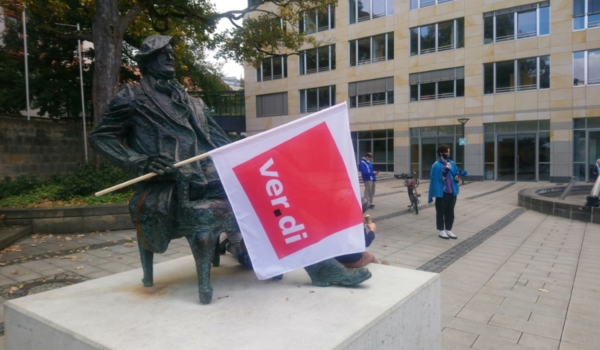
330 271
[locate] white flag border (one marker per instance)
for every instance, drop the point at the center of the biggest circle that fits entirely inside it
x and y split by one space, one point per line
266 264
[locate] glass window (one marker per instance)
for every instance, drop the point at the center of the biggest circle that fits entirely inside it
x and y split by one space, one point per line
488 30
526 24
272 68
594 67
532 73
586 67
317 60
446 36
311 100
371 50
427 39
544 20
323 58
586 14
414 41
488 78
427 91
416 4
460 87
579 68
311 61
371 92
527 78
277 69
519 22
414 92
390 46
378 48
379 8
444 83
505 27
316 99
544 72
267 69
436 37
364 10
310 21
505 76
460 32
313 21
446 89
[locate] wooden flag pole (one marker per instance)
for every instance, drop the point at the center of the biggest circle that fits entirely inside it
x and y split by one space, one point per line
149 175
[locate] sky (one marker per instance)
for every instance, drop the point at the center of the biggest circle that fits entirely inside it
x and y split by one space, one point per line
230 68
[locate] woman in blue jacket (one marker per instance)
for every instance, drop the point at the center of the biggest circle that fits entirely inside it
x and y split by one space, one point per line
444 188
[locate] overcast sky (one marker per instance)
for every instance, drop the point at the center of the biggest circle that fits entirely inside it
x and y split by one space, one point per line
230 68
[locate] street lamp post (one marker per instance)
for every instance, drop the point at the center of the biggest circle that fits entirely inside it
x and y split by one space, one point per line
463 121
81 87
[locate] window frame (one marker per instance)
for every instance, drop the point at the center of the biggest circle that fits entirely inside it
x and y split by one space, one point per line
359 20
433 3
302 25
455 28
389 54
515 87
436 95
303 105
302 60
585 17
259 72
515 12
586 68
388 94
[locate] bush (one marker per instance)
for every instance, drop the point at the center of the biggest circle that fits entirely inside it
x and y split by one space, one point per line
86 181
21 185
72 189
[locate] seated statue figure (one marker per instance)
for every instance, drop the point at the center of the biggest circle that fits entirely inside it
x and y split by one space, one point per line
149 127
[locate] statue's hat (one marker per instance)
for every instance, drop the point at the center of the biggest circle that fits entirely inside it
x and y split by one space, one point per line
152 44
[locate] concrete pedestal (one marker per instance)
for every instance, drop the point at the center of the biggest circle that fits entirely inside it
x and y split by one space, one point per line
396 309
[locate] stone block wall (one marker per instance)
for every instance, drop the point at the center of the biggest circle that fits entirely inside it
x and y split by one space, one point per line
41 146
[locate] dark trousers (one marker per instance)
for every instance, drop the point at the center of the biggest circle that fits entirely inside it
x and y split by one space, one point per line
444 211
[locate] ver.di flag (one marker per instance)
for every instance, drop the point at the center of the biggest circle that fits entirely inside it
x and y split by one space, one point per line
294 191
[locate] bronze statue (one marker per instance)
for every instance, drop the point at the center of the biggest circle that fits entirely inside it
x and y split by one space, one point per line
148 128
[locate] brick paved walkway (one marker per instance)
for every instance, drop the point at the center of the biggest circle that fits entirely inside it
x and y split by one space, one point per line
523 281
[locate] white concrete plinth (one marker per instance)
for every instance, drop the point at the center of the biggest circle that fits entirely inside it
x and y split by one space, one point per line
396 309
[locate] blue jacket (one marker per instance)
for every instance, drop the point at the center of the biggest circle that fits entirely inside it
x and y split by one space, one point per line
366 169
435 184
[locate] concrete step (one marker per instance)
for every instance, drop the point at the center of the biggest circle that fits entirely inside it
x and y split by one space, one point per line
11 234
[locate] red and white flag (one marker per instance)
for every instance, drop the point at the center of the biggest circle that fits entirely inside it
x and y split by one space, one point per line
294 191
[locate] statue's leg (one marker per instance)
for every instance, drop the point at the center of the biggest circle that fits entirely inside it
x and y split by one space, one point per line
146 257
216 260
203 248
330 271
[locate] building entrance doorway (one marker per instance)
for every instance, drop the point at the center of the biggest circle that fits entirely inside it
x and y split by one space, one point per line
516 157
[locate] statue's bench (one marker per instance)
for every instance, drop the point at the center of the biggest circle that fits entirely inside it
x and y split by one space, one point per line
396 309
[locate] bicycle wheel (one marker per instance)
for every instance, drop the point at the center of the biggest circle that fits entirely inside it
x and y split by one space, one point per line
414 201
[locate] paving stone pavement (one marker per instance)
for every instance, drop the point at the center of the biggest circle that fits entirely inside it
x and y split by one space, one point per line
525 281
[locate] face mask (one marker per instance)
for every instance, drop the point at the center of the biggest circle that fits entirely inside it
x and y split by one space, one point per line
445 155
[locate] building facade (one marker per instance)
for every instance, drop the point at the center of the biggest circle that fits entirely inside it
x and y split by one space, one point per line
524 75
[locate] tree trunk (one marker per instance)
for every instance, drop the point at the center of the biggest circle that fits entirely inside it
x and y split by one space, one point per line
108 44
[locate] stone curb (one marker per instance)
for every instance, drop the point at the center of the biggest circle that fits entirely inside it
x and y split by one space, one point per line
533 199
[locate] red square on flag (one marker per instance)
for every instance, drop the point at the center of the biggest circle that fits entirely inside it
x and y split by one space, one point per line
300 191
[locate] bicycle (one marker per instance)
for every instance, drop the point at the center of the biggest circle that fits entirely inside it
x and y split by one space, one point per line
411 184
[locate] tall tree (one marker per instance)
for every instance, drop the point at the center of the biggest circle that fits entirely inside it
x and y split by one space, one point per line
108 22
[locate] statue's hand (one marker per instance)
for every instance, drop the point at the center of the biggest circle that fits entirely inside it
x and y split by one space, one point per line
159 164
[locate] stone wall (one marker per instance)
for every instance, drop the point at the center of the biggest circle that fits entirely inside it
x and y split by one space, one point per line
41 146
